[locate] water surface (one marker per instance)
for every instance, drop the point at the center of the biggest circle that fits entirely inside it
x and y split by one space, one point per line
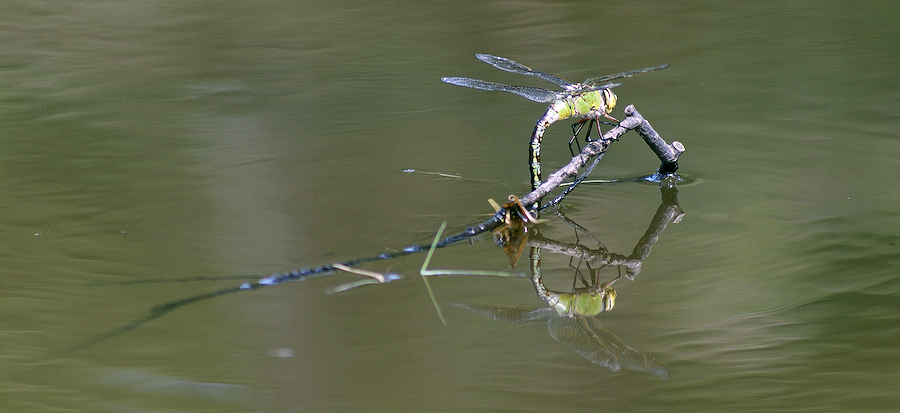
143 144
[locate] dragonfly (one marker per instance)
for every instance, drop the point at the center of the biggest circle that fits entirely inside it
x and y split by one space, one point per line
590 100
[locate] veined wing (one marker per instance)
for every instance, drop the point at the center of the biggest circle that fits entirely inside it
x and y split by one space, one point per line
531 93
601 79
507 65
509 314
601 347
581 87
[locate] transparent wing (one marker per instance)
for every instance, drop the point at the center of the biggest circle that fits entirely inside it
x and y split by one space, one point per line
602 347
531 93
600 79
507 65
509 314
588 88
580 88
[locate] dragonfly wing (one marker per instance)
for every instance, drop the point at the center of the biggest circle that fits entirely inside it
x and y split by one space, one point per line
588 88
509 314
601 79
586 336
507 65
531 93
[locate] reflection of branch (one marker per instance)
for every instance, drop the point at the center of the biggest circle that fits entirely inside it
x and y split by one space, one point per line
668 211
571 315
561 215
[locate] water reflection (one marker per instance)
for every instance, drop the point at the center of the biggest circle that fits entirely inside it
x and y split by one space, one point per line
571 315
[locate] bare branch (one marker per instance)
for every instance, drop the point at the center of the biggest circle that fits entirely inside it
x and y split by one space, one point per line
667 154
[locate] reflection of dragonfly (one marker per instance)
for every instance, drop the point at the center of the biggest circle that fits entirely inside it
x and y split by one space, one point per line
583 334
570 319
589 100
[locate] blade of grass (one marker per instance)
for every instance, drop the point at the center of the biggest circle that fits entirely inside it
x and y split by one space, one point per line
437 237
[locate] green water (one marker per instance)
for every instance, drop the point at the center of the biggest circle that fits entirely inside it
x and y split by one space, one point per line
145 143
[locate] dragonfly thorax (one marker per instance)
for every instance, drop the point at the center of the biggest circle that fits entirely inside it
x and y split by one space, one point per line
591 105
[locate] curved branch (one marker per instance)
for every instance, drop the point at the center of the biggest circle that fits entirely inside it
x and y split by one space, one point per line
667 154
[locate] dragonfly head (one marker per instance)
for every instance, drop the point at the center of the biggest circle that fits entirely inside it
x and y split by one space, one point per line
610 99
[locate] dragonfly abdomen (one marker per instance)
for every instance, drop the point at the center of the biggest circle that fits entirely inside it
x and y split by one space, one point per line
556 111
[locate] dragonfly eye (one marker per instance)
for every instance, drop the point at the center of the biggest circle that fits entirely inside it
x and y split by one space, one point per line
610 98
609 300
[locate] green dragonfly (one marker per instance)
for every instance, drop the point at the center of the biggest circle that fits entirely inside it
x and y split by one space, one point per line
589 100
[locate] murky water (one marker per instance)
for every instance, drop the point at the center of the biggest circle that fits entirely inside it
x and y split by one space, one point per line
155 151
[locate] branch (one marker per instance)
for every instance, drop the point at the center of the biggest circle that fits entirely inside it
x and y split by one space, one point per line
666 153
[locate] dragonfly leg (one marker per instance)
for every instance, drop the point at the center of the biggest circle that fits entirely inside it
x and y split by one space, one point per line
587 136
576 129
606 115
599 131
577 271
